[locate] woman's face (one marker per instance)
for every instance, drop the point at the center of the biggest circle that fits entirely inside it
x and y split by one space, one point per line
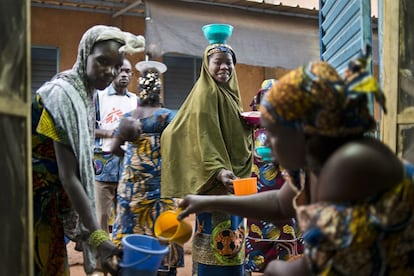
103 64
220 66
288 144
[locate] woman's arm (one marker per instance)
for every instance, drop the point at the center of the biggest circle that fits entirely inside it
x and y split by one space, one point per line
297 267
104 133
129 129
116 146
269 205
69 176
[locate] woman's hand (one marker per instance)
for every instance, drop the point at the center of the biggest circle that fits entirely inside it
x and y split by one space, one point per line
109 254
226 177
194 204
162 118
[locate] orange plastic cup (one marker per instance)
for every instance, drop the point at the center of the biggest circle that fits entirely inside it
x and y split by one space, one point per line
245 186
168 228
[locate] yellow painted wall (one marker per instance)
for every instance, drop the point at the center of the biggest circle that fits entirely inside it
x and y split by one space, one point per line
64 29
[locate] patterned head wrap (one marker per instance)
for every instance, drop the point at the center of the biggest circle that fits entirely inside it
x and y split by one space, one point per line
316 100
149 87
221 48
266 85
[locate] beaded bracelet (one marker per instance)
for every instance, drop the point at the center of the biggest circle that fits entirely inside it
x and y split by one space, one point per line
97 237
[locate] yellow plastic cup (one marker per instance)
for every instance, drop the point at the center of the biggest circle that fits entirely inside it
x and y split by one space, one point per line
168 228
245 186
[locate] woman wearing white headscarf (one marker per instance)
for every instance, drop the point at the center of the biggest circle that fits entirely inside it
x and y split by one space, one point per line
62 153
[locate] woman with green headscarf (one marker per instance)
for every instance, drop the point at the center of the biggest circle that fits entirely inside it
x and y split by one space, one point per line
204 148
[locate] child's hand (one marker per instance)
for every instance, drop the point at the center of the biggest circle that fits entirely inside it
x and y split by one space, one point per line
162 118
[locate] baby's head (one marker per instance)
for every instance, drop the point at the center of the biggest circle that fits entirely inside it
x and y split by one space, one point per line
129 129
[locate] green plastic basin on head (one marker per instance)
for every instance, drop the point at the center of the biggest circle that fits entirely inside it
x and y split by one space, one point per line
217 33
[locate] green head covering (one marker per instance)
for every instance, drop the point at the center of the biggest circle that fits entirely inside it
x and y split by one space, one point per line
206 136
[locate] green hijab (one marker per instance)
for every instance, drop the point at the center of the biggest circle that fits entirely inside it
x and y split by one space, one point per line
206 136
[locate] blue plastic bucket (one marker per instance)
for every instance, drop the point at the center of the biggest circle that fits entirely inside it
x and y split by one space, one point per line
142 255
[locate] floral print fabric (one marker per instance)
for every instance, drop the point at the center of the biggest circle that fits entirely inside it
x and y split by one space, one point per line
370 238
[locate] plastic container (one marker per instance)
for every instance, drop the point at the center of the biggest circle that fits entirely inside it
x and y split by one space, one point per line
142 255
245 186
265 153
217 33
168 228
252 117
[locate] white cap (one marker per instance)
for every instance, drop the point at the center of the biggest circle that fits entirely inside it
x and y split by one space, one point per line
143 66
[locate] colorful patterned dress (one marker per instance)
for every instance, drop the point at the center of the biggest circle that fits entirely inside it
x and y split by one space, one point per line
50 202
375 237
138 194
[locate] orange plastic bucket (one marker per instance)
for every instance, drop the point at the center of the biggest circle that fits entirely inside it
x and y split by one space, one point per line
168 228
245 186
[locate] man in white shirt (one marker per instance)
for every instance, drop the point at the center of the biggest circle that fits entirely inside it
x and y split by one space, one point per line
110 104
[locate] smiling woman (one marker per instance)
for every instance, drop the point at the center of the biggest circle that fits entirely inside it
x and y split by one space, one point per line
220 65
217 147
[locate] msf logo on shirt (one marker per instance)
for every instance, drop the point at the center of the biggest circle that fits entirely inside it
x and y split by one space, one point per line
113 116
